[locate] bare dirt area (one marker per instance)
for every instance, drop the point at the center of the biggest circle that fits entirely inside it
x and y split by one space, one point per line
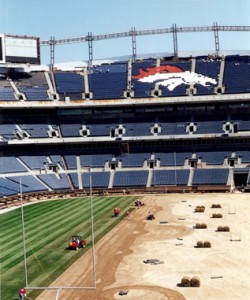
169 241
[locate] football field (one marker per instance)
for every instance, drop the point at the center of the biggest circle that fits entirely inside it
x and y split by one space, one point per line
49 226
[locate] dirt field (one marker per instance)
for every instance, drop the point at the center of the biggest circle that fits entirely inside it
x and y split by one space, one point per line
223 269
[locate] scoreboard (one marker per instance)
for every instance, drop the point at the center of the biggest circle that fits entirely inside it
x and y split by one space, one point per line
19 49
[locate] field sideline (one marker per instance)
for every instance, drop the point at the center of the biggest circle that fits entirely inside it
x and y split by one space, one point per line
48 228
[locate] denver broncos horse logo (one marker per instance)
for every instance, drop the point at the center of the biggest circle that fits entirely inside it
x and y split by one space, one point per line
172 76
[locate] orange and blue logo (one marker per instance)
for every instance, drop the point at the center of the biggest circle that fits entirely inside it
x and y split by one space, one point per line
172 76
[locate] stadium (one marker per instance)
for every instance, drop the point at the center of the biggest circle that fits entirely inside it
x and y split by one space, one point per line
154 126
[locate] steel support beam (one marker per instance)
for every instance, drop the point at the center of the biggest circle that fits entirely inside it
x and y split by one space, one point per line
90 45
52 52
133 34
108 36
216 38
175 41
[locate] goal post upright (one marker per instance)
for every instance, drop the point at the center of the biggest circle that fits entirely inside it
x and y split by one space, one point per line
92 230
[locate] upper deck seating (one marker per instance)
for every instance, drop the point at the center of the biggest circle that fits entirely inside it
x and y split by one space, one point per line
207 67
237 74
142 89
176 85
34 85
6 93
69 83
35 93
115 67
107 85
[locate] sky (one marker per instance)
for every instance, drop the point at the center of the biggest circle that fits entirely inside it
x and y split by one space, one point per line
73 18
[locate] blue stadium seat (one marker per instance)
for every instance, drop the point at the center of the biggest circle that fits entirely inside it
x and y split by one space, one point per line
210 176
54 182
170 177
237 74
6 93
130 178
10 164
99 179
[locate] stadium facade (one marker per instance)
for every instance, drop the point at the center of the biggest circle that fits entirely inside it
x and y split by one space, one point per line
163 124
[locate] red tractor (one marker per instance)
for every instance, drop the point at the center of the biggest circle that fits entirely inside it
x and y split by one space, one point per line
76 242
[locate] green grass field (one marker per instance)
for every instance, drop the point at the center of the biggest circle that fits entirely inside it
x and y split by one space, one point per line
48 228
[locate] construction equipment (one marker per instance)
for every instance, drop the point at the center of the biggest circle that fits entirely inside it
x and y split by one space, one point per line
76 242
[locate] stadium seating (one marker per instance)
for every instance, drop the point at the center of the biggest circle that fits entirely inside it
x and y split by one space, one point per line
170 177
55 182
6 93
133 159
29 183
36 130
69 83
213 157
107 85
70 161
172 158
34 162
210 176
210 68
10 164
98 179
97 160
236 74
7 131
130 178
185 141
35 93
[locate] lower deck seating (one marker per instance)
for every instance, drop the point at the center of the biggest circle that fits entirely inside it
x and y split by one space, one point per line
130 178
10 165
29 183
54 182
210 176
170 177
98 179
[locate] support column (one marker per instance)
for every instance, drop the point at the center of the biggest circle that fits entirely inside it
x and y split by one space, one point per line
175 41
52 52
216 38
90 44
133 43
